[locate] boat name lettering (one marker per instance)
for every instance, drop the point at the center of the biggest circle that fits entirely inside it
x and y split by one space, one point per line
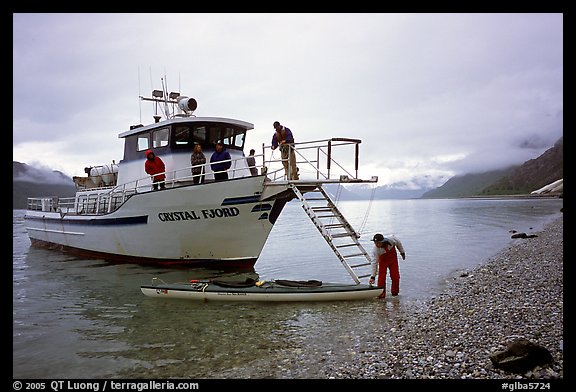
225 212
211 213
177 216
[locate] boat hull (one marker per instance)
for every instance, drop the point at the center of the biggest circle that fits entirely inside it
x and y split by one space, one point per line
188 225
268 292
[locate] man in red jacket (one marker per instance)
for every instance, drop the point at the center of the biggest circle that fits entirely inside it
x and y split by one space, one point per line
156 168
384 257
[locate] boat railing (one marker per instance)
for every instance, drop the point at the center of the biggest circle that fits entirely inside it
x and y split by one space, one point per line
316 160
103 200
239 168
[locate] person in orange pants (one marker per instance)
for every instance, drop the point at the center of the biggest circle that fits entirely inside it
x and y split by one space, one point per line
385 258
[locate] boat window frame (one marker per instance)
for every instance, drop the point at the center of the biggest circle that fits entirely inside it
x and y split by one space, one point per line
207 134
235 140
134 145
145 138
160 137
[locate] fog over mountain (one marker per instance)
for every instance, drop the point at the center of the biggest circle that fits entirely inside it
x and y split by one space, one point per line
35 181
38 173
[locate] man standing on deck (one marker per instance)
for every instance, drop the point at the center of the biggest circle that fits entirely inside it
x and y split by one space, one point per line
284 139
251 162
220 162
384 257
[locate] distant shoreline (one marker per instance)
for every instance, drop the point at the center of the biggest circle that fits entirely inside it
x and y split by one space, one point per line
500 197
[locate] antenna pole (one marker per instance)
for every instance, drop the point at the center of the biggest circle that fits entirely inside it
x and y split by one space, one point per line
139 97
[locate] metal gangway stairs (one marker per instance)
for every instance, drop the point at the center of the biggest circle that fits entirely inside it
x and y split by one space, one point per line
335 229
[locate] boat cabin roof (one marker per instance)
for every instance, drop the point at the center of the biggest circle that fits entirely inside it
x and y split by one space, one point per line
142 128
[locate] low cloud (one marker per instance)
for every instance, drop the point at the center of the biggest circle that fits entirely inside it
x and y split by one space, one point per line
38 173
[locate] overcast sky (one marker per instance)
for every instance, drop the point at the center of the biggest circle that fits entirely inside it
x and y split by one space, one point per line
430 95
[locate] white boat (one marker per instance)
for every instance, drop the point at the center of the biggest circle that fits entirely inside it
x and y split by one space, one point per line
265 291
116 215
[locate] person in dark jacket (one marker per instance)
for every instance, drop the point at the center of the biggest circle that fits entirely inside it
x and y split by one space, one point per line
156 168
220 162
284 139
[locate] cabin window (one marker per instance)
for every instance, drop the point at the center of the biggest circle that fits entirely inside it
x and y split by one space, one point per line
182 136
185 136
143 143
200 135
239 140
224 134
214 135
228 136
160 138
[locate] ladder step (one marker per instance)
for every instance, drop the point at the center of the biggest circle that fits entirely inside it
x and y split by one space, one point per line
363 276
353 255
345 246
334 225
342 235
314 198
320 209
359 265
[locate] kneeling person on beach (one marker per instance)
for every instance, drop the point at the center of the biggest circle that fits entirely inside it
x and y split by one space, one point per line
384 257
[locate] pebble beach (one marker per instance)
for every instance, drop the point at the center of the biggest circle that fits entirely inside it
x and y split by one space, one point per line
516 294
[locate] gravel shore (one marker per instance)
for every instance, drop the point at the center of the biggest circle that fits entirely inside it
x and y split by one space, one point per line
517 293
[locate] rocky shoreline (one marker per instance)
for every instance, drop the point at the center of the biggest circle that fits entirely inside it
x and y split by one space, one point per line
516 294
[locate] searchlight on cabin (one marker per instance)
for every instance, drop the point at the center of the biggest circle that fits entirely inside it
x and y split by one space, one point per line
188 105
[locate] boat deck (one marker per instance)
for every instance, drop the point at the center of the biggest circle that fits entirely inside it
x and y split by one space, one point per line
316 161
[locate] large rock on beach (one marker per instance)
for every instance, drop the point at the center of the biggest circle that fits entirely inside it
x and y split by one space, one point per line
520 356
523 235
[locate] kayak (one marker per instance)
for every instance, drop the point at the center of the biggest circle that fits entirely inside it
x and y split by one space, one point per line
268 291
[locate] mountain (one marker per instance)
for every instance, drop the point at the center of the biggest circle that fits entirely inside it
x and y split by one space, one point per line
515 180
367 192
532 174
28 181
468 184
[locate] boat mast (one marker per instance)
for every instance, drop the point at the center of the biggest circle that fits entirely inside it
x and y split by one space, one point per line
172 104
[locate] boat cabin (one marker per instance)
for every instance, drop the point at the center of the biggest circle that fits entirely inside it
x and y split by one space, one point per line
173 140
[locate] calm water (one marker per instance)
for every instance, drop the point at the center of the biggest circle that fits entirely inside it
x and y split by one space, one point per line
79 318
